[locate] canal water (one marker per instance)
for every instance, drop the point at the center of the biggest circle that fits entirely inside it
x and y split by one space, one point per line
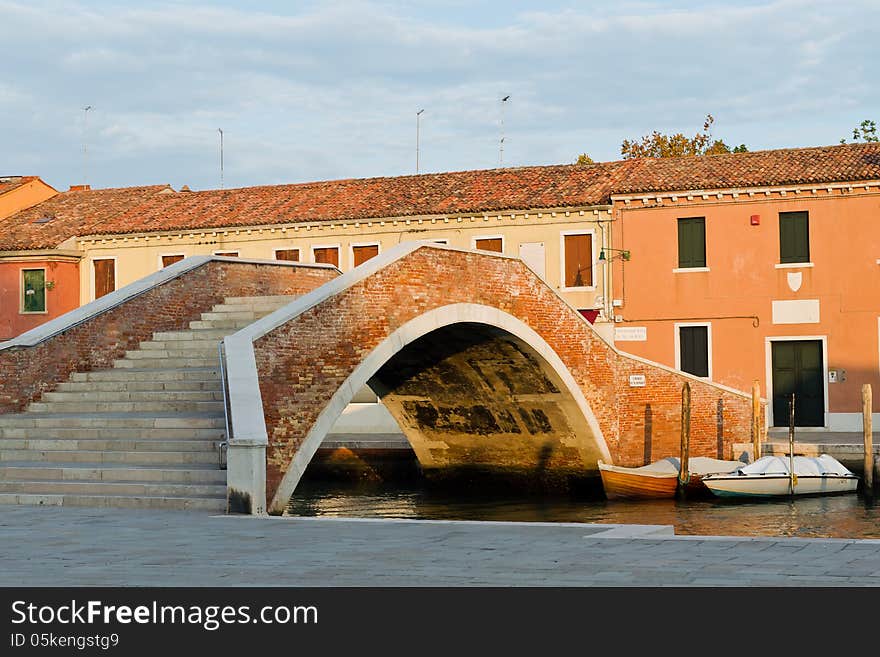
841 516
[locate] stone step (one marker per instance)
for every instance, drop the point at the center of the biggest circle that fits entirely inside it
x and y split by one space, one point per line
126 407
211 373
127 395
276 298
164 363
263 307
190 346
138 386
192 334
249 315
189 474
229 325
211 503
105 488
112 420
175 354
112 444
110 433
124 457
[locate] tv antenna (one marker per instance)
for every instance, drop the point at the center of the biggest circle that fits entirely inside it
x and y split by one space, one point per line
85 143
221 157
501 143
418 117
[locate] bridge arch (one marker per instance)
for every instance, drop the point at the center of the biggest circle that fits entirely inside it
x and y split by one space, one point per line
582 427
291 374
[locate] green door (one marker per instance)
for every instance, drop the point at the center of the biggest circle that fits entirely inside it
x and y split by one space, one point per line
797 368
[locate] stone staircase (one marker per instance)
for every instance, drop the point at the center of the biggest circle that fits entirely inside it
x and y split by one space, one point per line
144 434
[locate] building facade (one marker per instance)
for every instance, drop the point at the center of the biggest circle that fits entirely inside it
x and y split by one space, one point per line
779 285
747 267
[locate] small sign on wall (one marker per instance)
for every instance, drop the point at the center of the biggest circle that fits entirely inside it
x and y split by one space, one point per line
636 380
631 334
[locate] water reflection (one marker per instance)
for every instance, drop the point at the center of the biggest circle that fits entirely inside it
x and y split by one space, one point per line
842 516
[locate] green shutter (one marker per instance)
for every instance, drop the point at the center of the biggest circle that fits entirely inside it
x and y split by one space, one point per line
794 237
691 242
34 290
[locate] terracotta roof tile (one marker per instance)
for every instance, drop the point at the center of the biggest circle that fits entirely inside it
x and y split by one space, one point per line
144 209
70 214
851 162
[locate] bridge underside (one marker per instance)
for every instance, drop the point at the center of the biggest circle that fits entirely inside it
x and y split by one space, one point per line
472 398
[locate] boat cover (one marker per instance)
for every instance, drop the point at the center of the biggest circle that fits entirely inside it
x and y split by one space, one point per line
698 465
804 466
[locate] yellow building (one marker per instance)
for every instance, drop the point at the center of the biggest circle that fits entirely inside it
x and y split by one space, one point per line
347 222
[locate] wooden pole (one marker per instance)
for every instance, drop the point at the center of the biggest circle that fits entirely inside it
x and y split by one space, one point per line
867 427
756 419
683 473
792 477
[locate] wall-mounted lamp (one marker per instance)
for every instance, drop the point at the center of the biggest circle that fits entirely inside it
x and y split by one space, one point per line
624 255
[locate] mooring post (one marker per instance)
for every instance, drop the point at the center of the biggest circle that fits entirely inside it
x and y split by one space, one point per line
868 428
792 477
683 474
756 420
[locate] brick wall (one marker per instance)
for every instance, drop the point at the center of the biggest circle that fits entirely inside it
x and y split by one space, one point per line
27 372
303 362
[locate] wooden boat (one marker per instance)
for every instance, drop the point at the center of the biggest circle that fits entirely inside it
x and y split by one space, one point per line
659 479
770 476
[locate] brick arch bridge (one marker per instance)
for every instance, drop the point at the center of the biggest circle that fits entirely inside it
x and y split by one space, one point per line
479 360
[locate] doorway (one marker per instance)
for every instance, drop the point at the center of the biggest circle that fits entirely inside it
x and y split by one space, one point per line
798 368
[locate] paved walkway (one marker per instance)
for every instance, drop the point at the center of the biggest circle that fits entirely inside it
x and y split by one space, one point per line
107 547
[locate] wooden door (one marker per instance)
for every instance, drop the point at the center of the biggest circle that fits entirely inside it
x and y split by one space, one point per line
798 369
105 277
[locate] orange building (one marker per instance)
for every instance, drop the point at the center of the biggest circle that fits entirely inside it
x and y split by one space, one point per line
39 266
20 192
22 274
758 266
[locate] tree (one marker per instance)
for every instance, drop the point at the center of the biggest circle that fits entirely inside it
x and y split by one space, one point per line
866 132
659 145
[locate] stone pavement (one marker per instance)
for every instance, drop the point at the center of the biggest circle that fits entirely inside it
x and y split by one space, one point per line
52 546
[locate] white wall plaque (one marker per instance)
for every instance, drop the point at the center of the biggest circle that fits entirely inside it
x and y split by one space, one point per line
796 312
631 334
636 380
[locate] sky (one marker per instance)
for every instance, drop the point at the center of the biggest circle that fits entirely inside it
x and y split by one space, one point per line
325 90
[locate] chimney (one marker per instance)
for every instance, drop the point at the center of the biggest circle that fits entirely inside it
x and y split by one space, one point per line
79 188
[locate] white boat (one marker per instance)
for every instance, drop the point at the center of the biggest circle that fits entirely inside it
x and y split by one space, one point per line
770 476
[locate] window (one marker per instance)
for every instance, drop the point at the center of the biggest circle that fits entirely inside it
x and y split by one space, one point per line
794 237
577 259
693 349
691 242
361 253
171 259
291 255
33 290
326 254
104 271
495 244
228 254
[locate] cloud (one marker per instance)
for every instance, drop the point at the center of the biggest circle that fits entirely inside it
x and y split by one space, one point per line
330 90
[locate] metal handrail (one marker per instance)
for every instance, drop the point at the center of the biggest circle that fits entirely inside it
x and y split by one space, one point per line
227 409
